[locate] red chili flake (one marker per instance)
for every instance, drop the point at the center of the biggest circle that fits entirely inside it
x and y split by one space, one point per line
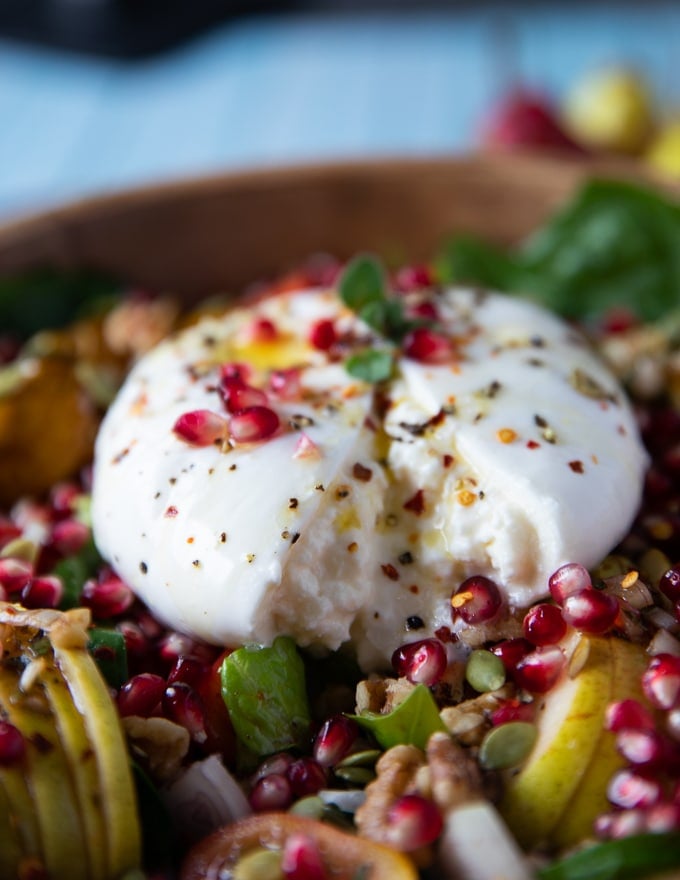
622 431
414 588
532 444
576 466
362 473
447 461
444 634
171 511
390 571
416 504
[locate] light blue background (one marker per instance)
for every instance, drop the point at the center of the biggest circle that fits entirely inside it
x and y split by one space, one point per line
293 88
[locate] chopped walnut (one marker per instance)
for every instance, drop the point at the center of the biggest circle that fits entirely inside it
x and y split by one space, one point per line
135 326
455 778
378 694
476 636
469 720
160 743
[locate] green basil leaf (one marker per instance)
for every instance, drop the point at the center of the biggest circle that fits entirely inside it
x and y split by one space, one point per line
362 282
264 689
412 722
371 365
469 260
626 859
107 646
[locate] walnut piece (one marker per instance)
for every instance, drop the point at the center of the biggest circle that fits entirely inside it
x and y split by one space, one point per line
455 778
160 743
382 695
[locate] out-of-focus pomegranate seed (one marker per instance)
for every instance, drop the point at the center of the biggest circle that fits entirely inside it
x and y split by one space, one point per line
69 536
410 278
141 695
322 334
190 670
45 591
63 499
512 710
237 395
511 651
272 792
591 611
427 346
628 715
663 817
425 309
568 579
642 748
306 776
12 744
183 705
422 662
301 859
615 826
108 598
262 330
285 384
15 574
201 427
540 670
477 600
335 739
137 645
413 821
235 370
661 681
669 583
253 424
278 765
544 625
632 788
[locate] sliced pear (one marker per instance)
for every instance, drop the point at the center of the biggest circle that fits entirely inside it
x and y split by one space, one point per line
21 812
11 851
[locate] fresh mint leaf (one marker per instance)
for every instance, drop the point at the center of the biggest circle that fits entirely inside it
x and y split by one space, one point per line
412 722
264 689
627 859
362 282
371 365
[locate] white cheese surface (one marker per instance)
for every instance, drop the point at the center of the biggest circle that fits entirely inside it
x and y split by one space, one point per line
519 455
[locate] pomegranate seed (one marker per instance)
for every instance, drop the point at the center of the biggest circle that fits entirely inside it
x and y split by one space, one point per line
183 705
261 330
306 776
301 859
63 498
663 817
69 536
539 671
477 600
252 424
628 715
642 748
306 447
238 396
544 625
274 765
631 788
616 826
149 626
661 681
669 583
137 645
272 792
15 574
201 427
8 531
591 611
568 579
427 346
285 383
512 710
426 309
618 319
234 370
190 670
12 744
322 334
45 591
412 822
410 278
422 662
175 645
141 695
334 740
511 651
108 598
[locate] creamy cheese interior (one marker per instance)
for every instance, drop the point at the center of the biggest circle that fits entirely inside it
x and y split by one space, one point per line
518 455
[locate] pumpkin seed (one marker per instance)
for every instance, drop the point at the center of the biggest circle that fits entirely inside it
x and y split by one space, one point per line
485 671
312 807
259 864
365 758
507 745
355 775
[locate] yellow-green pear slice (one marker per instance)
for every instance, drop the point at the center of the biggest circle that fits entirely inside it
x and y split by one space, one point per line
570 721
590 797
21 812
11 852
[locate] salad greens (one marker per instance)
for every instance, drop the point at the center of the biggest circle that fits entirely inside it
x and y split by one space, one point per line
265 691
412 722
627 859
615 244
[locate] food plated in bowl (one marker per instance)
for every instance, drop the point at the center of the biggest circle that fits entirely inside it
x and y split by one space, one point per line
358 506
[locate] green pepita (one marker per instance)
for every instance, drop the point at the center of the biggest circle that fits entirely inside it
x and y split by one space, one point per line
20 548
365 758
355 775
311 807
485 671
259 864
507 745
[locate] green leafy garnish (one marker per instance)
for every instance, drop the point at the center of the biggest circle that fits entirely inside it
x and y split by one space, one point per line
107 646
614 244
362 283
412 722
371 365
264 689
74 571
626 859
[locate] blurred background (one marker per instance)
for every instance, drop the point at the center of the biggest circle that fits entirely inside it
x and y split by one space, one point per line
99 94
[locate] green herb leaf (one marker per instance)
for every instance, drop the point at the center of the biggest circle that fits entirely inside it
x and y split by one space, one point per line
362 282
412 723
264 689
371 365
626 859
74 571
107 646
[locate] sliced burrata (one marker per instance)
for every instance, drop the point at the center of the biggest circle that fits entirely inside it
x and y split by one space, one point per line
358 517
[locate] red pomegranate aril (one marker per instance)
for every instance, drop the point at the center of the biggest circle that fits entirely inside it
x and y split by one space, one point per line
286 384
544 625
174 645
201 427
262 330
425 309
45 591
238 396
277 765
141 695
15 574
413 821
662 817
540 670
253 424
669 583
183 705
272 792
108 598
512 710
511 651
69 536
591 611
334 740
422 662
12 744
410 278
477 600
301 859
628 715
661 681
427 346
568 579
137 645
322 334
306 776
630 788
63 499
624 824
642 748
235 370
190 670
